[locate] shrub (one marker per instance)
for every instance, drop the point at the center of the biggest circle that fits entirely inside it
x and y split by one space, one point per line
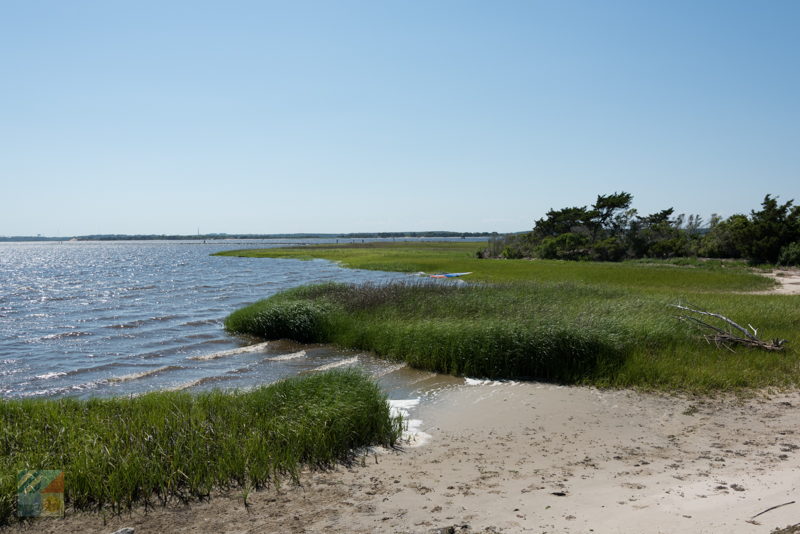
511 246
669 248
609 249
790 254
567 246
512 253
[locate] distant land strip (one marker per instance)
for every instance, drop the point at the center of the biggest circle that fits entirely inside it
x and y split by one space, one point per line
164 237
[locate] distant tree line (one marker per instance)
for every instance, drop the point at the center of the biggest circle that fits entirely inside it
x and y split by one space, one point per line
360 235
611 230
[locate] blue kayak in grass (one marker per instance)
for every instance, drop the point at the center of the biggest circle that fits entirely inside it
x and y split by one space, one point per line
448 275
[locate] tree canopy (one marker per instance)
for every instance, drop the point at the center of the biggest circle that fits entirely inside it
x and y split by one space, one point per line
611 230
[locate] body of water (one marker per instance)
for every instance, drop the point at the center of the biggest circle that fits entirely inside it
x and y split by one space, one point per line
116 318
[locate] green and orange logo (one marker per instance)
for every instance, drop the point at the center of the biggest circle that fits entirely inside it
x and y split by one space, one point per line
40 493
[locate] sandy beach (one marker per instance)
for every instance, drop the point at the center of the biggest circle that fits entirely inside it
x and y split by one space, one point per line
529 457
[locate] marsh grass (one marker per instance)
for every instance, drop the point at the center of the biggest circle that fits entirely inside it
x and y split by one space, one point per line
653 275
562 332
166 446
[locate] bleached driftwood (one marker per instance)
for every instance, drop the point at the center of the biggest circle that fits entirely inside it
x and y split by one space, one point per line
726 338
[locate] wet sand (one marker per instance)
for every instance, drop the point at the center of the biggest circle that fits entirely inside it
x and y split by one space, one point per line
529 457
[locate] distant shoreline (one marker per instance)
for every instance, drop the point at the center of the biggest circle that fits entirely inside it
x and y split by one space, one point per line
221 237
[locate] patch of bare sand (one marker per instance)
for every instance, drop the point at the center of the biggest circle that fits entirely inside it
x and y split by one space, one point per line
789 280
527 457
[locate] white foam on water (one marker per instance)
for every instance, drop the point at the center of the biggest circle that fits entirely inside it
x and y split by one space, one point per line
412 435
143 374
230 375
193 383
334 365
58 390
284 357
222 354
404 404
389 370
48 376
482 382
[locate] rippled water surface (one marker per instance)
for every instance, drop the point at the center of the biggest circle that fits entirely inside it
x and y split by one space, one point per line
94 318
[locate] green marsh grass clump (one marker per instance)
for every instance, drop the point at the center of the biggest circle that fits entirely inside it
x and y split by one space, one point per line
298 320
562 332
162 446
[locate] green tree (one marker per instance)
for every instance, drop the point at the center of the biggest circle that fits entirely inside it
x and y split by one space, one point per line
607 218
770 229
725 237
563 221
657 235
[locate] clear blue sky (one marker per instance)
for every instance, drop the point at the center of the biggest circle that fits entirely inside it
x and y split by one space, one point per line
335 116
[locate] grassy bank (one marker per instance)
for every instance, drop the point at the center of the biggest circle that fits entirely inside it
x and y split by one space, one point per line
170 445
587 323
562 332
460 257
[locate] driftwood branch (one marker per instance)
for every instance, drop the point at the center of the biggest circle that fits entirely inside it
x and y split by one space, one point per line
725 338
772 508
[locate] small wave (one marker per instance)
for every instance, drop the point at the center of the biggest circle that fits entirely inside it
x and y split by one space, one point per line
284 357
201 336
138 288
202 322
143 374
131 324
240 370
178 346
63 335
165 318
389 370
84 370
48 376
140 322
59 298
222 354
198 382
54 391
334 365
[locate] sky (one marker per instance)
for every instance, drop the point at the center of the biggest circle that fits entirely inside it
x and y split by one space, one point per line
153 117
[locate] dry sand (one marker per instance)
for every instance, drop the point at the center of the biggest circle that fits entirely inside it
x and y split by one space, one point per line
528 457
789 280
